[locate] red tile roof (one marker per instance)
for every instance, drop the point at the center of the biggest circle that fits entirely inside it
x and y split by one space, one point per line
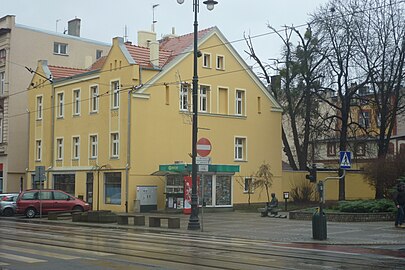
141 55
64 72
169 48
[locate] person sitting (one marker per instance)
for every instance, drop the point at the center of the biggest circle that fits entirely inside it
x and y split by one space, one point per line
270 206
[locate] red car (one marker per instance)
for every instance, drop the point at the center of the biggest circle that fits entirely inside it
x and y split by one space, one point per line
30 202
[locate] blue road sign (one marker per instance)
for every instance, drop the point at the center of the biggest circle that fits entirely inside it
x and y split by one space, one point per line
345 160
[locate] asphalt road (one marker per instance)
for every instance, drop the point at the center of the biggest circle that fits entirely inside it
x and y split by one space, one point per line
36 245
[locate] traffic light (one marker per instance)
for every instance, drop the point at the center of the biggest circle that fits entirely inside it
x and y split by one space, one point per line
312 174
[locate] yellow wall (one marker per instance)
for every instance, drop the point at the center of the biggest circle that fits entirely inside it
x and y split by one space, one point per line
356 186
160 132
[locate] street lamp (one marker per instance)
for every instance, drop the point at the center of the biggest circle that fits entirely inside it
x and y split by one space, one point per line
194 223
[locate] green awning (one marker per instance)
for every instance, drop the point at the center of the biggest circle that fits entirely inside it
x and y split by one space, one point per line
186 168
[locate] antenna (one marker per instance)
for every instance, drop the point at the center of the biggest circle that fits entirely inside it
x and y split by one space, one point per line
126 34
153 16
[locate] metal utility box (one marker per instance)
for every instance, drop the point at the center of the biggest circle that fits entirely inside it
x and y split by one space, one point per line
147 196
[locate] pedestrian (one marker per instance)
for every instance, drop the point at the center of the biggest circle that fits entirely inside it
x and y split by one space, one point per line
399 200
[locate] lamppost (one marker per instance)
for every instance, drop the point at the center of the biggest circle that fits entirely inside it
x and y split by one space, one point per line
194 223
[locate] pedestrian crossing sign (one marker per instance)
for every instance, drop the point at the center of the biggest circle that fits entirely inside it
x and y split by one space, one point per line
345 160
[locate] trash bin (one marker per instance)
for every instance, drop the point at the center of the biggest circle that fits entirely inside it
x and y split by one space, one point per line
319 226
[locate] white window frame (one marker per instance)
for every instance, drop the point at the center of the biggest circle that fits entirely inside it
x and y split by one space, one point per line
204 58
240 102
76 102
248 182
59 148
218 62
38 150
184 92
93 139
60 104
115 94
115 144
94 99
204 98
76 147
2 82
57 48
240 148
40 106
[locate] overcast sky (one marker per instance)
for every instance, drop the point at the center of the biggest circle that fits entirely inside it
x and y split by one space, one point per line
104 19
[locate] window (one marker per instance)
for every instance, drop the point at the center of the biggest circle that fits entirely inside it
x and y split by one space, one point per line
240 102
93 146
115 144
60 108
59 148
45 195
364 119
76 148
331 149
112 188
2 82
29 195
64 182
220 62
99 53
204 98
248 188
76 102
360 149
223 190
184 89
94 99
207 60
60 196
39 107
2 53
38 150
115 88
240 148
60 48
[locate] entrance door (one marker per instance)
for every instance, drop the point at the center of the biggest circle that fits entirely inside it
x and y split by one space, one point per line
89 189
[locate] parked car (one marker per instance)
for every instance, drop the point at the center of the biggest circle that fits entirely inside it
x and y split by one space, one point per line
30 202
8 204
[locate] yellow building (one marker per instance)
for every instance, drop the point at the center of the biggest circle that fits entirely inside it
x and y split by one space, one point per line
119 133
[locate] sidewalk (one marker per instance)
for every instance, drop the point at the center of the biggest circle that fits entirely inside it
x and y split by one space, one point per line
252 226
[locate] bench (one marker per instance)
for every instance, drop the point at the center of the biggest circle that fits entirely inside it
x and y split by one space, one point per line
172 222
265 212
122 219
54 215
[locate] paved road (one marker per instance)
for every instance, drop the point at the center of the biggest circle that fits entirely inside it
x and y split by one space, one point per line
62 245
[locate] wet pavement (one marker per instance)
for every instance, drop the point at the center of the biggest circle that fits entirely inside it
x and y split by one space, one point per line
381 235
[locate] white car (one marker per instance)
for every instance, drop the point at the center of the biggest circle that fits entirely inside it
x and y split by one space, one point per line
8 204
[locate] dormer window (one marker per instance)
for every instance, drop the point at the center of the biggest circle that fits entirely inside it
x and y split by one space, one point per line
60 48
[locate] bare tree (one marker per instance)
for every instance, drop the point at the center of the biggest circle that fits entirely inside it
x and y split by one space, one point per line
298 76
363 42
264 179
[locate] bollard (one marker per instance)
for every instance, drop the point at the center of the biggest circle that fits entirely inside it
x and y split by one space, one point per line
319 231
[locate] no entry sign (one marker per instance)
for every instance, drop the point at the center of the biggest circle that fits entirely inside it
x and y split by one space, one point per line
203 147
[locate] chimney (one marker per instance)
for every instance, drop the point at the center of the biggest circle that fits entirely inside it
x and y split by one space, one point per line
74 27
154 53
146 37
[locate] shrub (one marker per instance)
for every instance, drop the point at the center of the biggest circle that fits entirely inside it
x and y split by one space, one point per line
366 206
302 192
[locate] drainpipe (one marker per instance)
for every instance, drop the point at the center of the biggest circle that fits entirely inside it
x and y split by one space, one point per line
128 166
52 135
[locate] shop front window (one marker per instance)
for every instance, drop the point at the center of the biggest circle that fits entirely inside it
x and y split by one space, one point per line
223 190
64 182
112 188
205 190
